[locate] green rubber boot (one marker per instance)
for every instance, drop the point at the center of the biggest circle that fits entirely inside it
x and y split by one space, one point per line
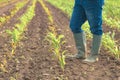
80 41
95 49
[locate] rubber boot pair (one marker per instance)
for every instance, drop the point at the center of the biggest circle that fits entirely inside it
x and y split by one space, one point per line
80 41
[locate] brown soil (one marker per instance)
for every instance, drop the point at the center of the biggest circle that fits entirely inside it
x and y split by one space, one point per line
33 61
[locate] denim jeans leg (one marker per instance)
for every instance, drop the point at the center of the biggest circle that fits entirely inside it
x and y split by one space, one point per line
93 12
78 18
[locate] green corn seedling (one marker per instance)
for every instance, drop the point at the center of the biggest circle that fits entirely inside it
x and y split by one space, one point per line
109 43
56 42
15 35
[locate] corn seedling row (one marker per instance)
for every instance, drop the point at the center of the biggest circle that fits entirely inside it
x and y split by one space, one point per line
3 63
17 32
55 40
108 42
6 18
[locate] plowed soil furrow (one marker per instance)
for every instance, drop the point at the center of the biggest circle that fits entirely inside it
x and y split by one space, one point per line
34 46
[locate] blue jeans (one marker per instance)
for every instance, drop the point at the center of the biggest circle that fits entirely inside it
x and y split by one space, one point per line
90 10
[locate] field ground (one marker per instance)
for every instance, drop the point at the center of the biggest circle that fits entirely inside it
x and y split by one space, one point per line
33 61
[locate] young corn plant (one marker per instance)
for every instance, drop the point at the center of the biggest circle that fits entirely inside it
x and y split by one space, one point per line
109 43
16 36
56 41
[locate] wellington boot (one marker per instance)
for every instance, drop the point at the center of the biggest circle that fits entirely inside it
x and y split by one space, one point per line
80 41
93 57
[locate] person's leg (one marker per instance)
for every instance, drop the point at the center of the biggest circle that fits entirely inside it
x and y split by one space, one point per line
77 19
93 11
